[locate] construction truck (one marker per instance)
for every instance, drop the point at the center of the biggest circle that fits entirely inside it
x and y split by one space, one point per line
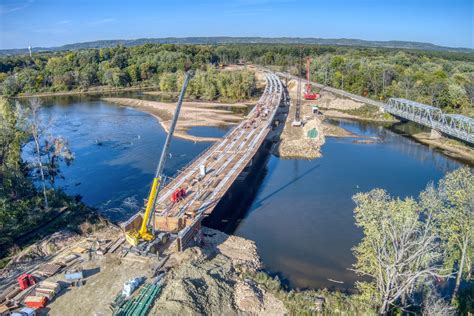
145 234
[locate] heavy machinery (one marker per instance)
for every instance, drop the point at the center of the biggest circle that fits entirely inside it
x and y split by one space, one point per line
134 237
309 94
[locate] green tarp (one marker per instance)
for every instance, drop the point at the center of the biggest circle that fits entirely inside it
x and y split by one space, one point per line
313 133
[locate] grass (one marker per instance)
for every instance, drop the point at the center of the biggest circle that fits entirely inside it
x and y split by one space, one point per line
370 112
311 302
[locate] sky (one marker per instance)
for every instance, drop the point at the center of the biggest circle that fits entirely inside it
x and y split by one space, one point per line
47 23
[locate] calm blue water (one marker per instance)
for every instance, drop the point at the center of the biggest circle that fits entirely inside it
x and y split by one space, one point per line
116 151
302 215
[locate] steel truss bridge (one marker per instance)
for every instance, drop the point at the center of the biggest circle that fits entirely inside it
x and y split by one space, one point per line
454 125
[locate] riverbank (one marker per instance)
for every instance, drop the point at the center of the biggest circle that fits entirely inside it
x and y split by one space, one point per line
92 90
449 147
222 276
343 108
193 114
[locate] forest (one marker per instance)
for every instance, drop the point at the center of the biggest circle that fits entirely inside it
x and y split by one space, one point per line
441 79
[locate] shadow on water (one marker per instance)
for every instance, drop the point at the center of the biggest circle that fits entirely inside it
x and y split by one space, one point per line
260 201
233 206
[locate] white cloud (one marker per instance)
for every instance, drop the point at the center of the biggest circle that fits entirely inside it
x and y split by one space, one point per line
63 22
14 6
102 21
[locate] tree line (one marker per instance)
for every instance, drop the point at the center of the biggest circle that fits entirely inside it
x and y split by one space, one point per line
442 79
153 65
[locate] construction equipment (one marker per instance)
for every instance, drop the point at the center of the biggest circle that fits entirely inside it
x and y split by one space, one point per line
133 237
309 94
26 280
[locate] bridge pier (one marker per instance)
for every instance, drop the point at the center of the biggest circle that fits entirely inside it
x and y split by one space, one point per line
435 134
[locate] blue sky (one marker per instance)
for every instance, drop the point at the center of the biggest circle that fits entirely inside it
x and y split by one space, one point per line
57 22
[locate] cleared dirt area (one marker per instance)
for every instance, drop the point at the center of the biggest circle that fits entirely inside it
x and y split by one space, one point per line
192 114
207 280
330 101
295 141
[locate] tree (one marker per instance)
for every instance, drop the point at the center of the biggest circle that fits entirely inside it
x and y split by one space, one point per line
36 130
398 250
12 136
10 87
56 150
168 82
454 212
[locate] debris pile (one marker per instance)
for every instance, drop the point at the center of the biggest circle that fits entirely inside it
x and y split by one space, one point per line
208 280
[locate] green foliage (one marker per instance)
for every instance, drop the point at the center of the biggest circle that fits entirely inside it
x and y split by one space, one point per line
406 242
21 205
452 204
442 79
311 302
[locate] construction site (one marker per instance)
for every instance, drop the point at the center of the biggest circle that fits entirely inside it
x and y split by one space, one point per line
150 264
121 270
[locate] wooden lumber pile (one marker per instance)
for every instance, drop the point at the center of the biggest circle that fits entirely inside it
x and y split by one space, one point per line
5 308
116 244
49 269
70 260
48 289
20 296
14 292
103 249
9 293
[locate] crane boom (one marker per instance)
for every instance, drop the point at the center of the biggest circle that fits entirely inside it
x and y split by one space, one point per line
133 237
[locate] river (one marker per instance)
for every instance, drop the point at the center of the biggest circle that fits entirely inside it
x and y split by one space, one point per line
301 217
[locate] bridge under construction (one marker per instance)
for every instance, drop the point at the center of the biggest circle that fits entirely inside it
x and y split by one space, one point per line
206 179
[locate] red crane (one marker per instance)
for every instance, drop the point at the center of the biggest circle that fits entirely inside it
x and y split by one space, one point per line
309 94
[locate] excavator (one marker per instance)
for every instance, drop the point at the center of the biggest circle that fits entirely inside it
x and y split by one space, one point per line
135 237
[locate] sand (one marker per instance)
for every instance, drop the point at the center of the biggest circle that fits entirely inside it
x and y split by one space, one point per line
192 114
294 141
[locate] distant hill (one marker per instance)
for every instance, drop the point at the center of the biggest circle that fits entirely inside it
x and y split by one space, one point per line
244 40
